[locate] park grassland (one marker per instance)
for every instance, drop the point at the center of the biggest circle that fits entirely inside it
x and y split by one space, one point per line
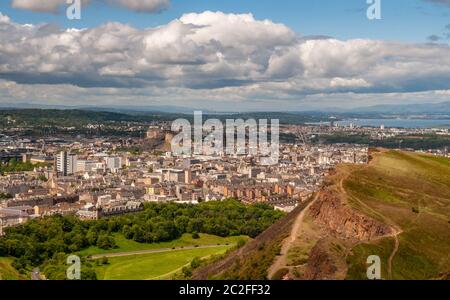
410 192
153 266
186 240
160 265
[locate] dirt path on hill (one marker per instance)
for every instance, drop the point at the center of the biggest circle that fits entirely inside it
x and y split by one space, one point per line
281 260
394 252
36 274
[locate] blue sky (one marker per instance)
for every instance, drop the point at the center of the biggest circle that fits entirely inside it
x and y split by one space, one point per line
225 54
406 20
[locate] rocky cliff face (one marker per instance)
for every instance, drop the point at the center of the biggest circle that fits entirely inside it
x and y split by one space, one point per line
342 228
343 222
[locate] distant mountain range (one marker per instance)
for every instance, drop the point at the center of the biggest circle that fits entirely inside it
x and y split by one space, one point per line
111 108
442 108
432 108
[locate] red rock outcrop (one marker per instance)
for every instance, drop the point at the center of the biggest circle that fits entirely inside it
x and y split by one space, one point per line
344 222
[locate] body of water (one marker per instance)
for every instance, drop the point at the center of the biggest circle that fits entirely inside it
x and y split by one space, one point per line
396 123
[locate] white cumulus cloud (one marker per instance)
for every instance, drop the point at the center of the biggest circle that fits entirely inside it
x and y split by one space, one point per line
232 54
4 19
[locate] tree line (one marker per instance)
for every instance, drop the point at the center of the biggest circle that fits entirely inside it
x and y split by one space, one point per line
14 165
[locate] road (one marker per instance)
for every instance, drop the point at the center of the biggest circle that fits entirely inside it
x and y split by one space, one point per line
161 250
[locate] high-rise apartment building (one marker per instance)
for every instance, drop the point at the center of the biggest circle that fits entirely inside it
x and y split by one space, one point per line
66 163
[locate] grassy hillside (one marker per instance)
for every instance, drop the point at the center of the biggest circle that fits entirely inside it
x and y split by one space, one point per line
410 192
397 207
7 272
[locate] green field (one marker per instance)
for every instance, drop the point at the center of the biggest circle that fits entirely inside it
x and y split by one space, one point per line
160 265
153 266
410 192
124 245
7 272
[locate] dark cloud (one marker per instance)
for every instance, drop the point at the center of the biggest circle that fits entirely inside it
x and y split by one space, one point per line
54 6
434 38
46 6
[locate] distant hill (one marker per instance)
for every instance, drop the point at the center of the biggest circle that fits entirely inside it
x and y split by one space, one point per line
430 108
109 108
422 108
75 117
